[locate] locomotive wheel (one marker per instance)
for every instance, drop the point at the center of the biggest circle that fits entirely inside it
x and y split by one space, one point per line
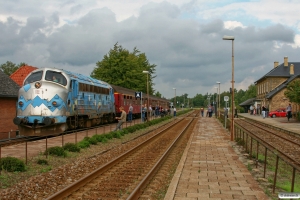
71 123
111 118
81 123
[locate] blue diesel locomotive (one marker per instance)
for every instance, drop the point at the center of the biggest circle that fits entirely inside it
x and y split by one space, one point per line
52 101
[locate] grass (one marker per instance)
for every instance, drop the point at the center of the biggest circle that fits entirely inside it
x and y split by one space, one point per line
249 167
8 179
46 169
284 171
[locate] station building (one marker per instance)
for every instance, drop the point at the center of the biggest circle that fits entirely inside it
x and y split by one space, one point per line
271 86
8 99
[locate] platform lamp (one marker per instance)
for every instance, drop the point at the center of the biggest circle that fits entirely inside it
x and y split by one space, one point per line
217 100
219 106
147 72
225 37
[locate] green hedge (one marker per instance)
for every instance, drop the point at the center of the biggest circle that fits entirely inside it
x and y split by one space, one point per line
12 164
71 147
57 151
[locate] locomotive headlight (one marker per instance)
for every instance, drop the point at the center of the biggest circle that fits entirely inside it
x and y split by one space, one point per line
37 85
21 103
56 103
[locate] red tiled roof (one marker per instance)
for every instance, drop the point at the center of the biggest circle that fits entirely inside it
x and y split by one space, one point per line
20 74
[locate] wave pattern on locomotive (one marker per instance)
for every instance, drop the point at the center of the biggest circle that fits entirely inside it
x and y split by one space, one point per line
52 101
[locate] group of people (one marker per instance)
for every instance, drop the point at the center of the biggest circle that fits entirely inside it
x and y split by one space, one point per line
159 111
209 112
259 110
265 111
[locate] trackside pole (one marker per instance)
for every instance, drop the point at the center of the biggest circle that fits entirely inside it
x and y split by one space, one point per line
141 107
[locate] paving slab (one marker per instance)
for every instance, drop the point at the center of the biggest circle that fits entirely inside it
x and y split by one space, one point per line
210 168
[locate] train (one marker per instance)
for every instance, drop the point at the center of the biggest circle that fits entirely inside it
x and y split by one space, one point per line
52 101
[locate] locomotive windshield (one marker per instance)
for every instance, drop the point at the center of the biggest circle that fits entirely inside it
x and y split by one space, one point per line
56 77
37 76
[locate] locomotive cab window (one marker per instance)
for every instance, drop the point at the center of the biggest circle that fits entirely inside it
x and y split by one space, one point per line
37 76
56 77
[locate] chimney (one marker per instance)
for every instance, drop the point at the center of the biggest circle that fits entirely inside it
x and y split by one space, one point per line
286 62
292 69
276 64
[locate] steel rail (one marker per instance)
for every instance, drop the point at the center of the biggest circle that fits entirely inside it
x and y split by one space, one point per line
136 193
89 177
262 128
288 159
273 127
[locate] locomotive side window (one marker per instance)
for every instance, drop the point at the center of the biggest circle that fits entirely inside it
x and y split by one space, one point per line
37 76
56 77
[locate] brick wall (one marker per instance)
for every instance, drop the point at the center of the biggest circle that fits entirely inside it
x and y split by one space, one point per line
7 114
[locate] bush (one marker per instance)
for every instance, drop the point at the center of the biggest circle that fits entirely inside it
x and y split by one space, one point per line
130 129
57 151
116 134
124 132
42 162
93 141
83 144
108 136
99 138
104 140
90 140
12 164
71 147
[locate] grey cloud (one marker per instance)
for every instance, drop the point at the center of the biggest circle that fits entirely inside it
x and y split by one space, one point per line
76 9
189 55
86 42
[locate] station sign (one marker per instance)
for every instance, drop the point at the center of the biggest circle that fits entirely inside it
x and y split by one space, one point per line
226 98
138 94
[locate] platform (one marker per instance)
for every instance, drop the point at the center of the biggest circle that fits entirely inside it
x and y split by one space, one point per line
293 125
210 169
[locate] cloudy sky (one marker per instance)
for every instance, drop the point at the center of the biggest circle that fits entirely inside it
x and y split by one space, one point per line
183 38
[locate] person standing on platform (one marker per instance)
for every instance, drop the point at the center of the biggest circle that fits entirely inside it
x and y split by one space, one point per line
130 110
263 112
258 110
251 110
121 119
209 111
289 112
174 112
202 111
235 113
150 112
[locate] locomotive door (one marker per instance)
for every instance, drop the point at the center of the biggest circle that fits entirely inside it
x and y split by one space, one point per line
37 102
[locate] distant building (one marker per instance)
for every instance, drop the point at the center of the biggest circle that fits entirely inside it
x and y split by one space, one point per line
271 86
247 104
20 74
8 99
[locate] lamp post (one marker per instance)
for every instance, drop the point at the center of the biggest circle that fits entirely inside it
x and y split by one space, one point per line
147 72
174 97
219 99
208 99
232 82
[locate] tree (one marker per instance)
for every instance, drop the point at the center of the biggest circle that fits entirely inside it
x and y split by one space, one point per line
123 68
293 91
10 67
157 94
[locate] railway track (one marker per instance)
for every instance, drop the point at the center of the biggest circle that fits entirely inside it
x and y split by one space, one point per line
129 175
287 145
